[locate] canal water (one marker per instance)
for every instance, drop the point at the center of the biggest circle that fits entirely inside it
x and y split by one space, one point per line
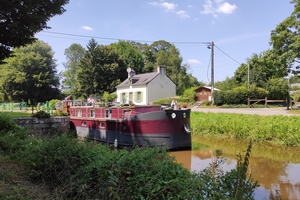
276 168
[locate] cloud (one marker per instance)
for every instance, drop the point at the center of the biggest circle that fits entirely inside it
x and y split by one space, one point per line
87 28
226 8
194 61
182 14
165 5
217 6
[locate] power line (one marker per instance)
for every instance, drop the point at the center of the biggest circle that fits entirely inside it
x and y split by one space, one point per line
228 55
117 39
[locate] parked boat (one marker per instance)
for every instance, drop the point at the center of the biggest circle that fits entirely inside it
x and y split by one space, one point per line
126 126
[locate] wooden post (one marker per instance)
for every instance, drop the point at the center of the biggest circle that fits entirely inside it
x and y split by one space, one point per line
248 102
266 102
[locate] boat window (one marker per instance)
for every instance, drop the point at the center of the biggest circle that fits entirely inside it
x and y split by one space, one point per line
83 123
79 113
108 113
92 113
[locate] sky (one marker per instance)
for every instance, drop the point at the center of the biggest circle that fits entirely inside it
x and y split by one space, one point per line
238 28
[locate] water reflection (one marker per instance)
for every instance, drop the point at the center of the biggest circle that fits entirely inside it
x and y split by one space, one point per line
276 168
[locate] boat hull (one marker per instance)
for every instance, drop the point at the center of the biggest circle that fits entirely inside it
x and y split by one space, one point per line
166 128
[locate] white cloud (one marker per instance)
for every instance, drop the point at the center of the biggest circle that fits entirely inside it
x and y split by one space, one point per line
165 5
217 6
87 28
194 61
226 8
182 14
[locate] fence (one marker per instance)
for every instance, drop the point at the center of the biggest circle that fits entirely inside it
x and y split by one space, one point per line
22 106
268 101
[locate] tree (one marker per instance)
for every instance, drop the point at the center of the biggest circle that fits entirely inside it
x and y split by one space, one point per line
73 55
131 56
262 67
30 75
285 40
101 69
21 19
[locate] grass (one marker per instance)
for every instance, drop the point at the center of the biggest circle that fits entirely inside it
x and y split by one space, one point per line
277 129
16 114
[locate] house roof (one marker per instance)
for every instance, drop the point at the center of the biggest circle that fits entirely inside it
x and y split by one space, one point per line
207 87
139 79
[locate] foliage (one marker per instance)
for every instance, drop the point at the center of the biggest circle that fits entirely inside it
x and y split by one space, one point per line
53 102
108 97
73 56
131 56
278 129
239 95
285 41
60 113
89 171
227 84
101 69
11 136
190 94
30 75
41 114
162 101
277 88
16 31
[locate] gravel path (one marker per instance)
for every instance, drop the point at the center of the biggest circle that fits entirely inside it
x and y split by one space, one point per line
254 111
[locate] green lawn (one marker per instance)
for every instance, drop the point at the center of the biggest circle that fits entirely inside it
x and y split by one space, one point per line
16 114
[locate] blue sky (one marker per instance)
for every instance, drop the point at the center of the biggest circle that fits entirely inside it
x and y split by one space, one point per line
238 28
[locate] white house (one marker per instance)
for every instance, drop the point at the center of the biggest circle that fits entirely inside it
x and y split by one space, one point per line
143 89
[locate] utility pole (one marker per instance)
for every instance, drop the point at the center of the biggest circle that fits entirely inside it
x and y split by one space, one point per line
248 75
212 72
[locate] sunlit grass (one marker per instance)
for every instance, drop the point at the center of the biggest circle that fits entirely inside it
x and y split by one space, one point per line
276 129
16 114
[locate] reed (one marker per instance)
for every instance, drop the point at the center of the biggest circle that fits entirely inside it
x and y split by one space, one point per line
277 129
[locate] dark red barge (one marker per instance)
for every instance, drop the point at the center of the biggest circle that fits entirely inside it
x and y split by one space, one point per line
127 126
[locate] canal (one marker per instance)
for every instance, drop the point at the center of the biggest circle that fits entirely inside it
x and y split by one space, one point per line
276 168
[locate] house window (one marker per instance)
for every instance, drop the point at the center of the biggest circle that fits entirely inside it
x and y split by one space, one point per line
205 93
139 97
79 113
123 98
130 96
92 113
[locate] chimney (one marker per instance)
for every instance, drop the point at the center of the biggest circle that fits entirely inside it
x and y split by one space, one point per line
161 70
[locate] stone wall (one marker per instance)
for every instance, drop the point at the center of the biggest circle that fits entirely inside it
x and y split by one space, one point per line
45 126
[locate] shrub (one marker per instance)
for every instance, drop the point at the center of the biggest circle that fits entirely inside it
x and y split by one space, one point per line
52 103
190 94
41 114
60 113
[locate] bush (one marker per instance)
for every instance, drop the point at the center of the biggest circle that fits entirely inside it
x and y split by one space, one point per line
11 136
60 113
41 114
52 103
190 95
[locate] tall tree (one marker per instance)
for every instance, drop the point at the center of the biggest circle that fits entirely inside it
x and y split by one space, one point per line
131 56
101 69
285 40
30 75
262 67
73 56
21 19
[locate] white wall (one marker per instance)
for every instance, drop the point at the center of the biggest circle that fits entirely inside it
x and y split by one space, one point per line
160 88
133 89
